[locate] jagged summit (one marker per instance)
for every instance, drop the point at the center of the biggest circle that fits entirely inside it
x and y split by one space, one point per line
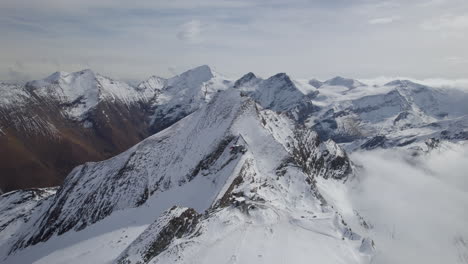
315 83
341 81
153 83
277 92
248 78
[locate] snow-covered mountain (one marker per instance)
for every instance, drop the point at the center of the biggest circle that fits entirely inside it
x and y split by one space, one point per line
278 93
181 95
256 170
94 115
341 81
49 126
274 183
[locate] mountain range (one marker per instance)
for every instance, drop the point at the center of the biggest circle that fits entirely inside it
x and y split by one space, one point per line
200 168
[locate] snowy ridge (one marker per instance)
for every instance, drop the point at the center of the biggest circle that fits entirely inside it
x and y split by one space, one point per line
277 200
185 93
81 91
277 93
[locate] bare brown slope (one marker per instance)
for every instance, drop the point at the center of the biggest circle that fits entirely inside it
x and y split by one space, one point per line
43 157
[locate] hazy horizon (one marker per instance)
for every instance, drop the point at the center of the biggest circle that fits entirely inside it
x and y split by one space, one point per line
306 39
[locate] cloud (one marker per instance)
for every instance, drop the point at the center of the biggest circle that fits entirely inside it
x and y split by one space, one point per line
456 60
311 38
18 72
416 204
191 32
172 70
447 22
383 20
434 82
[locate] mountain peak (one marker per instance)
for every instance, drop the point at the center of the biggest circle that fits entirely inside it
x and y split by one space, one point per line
153 83
315 83
247 78
281 79
56 76
281 75
203 70
193 77
346 82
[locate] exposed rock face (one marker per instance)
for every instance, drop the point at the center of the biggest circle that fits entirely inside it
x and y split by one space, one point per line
18 206
173 224
315 83
375 142
320 159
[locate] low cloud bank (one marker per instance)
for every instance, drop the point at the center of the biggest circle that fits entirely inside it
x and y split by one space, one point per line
433 82
418 206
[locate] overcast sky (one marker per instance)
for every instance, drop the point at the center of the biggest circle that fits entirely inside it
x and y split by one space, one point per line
321 38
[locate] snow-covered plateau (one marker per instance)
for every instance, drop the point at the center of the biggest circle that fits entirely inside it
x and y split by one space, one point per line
254 170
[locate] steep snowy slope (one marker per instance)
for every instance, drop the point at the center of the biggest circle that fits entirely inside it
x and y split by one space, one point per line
185 93
191 164
270 212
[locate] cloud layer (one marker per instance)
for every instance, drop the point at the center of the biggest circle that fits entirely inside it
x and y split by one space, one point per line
416 205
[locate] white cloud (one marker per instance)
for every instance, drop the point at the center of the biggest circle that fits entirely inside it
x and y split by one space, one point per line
416 204
434 82
447 22
383 20
191 32
454 60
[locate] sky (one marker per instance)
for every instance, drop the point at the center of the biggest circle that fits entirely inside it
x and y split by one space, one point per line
133 40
